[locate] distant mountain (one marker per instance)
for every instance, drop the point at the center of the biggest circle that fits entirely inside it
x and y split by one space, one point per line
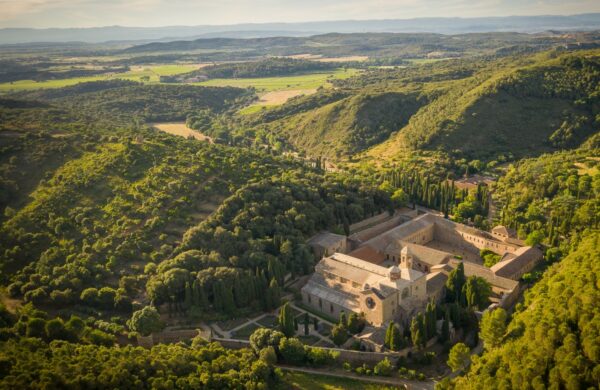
436 25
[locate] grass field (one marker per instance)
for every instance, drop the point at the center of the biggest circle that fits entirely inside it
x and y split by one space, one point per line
298 380
152 73
136 74
268 84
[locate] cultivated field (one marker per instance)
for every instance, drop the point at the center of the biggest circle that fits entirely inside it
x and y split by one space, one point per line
285 83
180 129
148 74
275 98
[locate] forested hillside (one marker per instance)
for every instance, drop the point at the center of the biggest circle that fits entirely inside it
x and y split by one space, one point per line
263 68
474 108
345 127
553 341
126 101
553 96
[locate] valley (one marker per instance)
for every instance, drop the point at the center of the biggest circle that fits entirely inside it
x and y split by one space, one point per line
399 210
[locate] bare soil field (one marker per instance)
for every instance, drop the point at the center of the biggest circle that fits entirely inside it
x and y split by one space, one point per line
280 97
343 59
317 57
181 129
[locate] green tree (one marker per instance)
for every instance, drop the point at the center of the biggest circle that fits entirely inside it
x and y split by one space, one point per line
268 355
55 330
455 283
339 334
493 327
145 321
477 292
286 320
36 327
396 339
264 337
534 238
459 357
292 350
306 324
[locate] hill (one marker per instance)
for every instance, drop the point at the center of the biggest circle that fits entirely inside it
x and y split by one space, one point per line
553 339
438 25
475 108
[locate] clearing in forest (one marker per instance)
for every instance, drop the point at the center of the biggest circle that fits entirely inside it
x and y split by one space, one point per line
181 129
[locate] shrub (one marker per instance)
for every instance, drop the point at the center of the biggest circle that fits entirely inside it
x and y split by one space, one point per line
268 355
292 350
383 368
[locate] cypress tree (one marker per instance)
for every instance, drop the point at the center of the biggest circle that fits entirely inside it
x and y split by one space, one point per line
396 341
388 335
343 321
217 296
306 323
188 300
238 292
445 333
274 294
286 320
228 301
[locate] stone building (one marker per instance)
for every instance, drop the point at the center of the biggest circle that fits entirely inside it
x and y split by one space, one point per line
393 275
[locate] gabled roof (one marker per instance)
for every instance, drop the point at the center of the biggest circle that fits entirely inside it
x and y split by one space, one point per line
515 264
326 239
425 254
369 254
435 282
504 231
317 287
472 269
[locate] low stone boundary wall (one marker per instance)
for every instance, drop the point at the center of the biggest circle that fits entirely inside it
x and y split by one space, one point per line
232 343
171 336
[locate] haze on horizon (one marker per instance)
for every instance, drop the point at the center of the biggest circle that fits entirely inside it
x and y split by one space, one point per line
154 13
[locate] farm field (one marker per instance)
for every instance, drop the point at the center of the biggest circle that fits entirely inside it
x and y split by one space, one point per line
149 74
274 98
267 84
180 129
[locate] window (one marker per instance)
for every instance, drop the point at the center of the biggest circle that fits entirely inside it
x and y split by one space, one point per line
370 303
405 293
320 303
331 307
309 299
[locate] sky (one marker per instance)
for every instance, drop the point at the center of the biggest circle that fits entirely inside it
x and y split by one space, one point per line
152 13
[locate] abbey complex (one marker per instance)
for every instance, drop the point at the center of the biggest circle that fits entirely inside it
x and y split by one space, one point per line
390 271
